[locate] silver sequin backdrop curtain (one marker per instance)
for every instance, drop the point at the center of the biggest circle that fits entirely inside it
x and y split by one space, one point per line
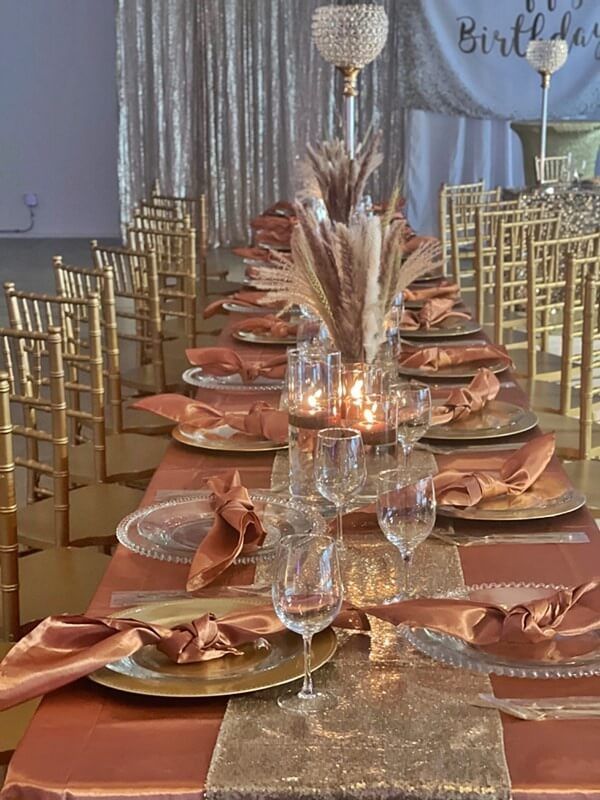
221 96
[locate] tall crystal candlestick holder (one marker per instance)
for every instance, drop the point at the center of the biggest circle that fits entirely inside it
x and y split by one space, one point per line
314 377
350 36
546 56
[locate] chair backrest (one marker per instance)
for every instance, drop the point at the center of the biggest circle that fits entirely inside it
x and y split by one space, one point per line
557 169
32 386
176 263
510 279
446 192
590 356
487 222
578 267
132 303
546 288
194 207
81 334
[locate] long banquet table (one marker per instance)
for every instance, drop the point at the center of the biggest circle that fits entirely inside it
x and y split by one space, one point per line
403 732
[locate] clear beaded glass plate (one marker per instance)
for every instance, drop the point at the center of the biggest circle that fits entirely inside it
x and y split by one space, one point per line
565 657
232 383
173 529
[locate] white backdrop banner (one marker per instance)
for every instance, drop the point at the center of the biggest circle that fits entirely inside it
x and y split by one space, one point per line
467 57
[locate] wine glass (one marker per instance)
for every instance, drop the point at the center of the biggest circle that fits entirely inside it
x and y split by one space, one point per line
340 469
414 414
307 596
406 511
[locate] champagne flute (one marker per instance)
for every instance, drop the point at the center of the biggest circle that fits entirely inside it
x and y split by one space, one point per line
414 414
340 469
307 596
406 512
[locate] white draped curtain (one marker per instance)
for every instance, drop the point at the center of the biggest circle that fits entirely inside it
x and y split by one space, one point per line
222 96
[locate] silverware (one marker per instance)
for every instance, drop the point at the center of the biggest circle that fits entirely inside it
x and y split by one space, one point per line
463 383
542 708
471 448
511 537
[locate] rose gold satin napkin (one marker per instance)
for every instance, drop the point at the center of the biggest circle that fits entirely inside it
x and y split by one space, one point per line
63 649
236 530
263 420
224 361
253 253
517 474
271 325
443 289
435 358
464 401
248 299
433 313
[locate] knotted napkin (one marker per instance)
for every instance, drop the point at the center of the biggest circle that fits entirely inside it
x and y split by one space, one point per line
464 401
263 420
433 313
271 325
253 253
224 361
236 530
443 289
435 358
248 299
62 649
518 473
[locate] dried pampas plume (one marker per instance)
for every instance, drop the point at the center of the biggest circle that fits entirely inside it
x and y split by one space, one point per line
349 274
341 180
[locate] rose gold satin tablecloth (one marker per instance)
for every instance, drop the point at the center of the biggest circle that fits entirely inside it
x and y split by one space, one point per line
86 741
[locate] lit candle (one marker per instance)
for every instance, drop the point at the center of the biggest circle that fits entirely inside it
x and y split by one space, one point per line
313 415
377 422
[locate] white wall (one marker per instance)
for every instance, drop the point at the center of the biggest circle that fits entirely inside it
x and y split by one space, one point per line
58 116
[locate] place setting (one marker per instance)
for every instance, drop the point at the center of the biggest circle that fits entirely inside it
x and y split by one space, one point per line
262 428
224 369
437 318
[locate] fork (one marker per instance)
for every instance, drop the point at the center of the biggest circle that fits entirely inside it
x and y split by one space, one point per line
542 708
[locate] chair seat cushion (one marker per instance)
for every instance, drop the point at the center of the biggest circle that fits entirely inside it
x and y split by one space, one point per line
129 457
94 513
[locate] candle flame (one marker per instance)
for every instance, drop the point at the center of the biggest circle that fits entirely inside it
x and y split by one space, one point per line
313 399
357 390
370 414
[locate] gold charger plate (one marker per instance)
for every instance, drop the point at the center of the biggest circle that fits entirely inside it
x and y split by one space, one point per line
262 338
150 672
544 499
496 419
456 371
446 329
230 440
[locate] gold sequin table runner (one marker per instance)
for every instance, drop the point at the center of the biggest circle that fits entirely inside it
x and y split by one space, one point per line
401 727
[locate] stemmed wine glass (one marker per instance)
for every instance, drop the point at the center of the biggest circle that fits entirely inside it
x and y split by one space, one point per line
340 469
307 596
414 414
406 512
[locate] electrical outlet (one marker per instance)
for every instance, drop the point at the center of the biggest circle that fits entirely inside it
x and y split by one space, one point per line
30 199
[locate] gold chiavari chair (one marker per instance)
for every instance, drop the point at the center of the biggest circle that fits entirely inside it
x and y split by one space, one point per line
585 471
486 238
576 421
462 230
549 314
472 190
127 284
141 302
557 169
95 457
510 284
176 261
197 209
53 581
